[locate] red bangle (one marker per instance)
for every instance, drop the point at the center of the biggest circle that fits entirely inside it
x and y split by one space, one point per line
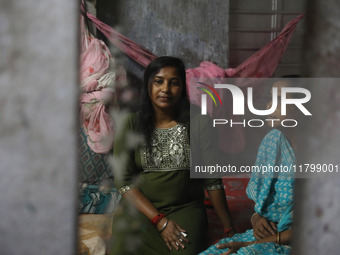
227 230
155 220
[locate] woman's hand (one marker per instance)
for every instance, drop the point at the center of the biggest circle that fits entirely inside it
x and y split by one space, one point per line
233 246
172 235
262 227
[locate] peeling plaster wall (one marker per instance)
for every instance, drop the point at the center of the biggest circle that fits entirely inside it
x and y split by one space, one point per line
192 30
38 120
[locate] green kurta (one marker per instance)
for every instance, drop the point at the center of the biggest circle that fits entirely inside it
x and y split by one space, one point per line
163 176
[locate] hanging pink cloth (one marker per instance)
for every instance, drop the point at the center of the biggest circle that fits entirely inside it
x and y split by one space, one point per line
130 48
262 64
99 77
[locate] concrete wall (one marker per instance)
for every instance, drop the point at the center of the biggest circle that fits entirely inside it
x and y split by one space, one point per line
38 123
192 30
317 222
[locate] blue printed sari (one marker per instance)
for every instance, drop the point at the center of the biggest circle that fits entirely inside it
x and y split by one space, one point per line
272 192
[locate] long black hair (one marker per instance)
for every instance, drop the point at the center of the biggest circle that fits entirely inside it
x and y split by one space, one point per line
146 113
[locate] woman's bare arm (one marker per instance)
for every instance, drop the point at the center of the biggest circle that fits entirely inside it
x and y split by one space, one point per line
218 199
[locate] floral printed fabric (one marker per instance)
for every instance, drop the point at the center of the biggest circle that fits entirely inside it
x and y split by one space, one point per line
272 193
100 75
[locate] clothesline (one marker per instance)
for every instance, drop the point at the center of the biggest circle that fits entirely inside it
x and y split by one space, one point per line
249 68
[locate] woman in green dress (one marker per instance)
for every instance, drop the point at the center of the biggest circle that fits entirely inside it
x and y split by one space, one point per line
162 210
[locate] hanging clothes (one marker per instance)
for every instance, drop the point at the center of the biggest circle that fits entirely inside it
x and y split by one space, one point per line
99 78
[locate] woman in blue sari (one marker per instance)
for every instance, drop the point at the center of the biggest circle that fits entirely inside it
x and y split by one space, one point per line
272 192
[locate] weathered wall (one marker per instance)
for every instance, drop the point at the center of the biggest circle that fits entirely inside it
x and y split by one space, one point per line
317 208
38 146
192 30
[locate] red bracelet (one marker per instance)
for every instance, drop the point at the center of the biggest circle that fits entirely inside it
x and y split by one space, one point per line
227 230
155 220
